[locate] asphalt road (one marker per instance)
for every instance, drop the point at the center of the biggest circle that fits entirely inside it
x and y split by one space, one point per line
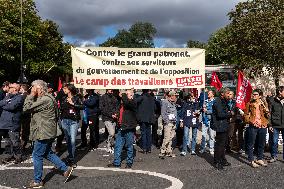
149 171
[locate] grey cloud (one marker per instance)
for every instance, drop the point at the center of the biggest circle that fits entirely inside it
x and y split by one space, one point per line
176 20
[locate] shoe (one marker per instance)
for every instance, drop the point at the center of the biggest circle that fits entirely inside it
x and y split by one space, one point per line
193 153
254 165
229 151
272 160
226 163
8 160
92 149
148 152
111 165
242 152
201 151
59 148
261 162
18 160
162 156
128 166
82 147
34 185
68 173
183 153
143 151
212 152
219 166
171 155
111 151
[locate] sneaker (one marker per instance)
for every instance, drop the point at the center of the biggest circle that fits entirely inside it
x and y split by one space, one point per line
111 151
34 185
8 160
261 162
82 147
201 151
128 166
226 163
68 173
242 152
171 155
212 152
162 156
111 165
183 153
272 160
254 165
219 166
92 149
193 153
18 160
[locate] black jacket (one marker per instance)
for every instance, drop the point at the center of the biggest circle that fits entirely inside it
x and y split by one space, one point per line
220 115
146 108
277 113
108 106
69 111
129 119
92 104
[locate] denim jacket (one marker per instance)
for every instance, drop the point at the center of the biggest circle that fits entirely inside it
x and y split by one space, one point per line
209 106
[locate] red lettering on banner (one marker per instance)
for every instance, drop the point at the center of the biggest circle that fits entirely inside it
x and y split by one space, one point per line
189 81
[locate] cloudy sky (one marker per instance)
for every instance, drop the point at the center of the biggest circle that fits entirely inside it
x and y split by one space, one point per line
176 21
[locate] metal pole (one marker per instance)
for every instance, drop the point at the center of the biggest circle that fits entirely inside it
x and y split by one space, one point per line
22 66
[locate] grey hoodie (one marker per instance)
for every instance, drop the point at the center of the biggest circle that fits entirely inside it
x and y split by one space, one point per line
168 111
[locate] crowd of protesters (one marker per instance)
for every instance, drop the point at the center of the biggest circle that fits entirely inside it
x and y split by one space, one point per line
39 116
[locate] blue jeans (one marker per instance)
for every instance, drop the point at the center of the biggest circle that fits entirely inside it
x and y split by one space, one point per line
274 142
123 137
206 129
70 129
42 149
186 136
252 132
146 136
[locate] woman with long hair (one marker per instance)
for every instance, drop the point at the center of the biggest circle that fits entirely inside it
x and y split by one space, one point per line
70 117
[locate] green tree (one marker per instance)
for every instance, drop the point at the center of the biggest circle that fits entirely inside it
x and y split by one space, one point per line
257 36
44 52
140 35
196 44
219 50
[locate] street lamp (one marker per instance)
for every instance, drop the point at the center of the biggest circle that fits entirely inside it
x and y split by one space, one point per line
22 78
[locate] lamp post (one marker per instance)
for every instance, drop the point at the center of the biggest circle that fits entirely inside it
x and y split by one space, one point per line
22 78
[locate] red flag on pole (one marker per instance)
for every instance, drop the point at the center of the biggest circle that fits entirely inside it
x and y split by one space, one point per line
244 91
215 82
59 84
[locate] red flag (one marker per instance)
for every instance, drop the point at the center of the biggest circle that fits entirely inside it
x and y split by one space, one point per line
215 82
244 91
59 84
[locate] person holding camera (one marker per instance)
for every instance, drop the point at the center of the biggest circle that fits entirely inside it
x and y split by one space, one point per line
44 120
256 115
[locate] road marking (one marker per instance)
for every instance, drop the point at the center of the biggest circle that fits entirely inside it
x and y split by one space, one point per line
176 183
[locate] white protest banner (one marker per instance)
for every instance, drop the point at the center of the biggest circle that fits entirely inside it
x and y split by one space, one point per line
139 68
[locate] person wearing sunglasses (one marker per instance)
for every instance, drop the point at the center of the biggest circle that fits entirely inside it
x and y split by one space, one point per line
256 115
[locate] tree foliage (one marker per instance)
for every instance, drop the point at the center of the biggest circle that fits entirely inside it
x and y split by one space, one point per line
44 52
257 36
140 35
